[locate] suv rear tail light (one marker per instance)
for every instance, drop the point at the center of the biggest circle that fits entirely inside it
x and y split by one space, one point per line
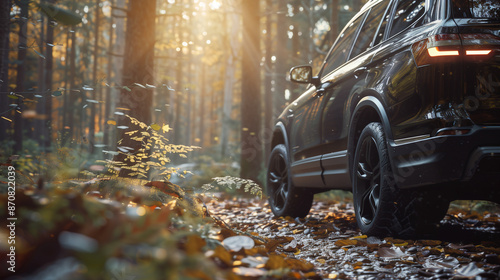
478 52
450 47
452 131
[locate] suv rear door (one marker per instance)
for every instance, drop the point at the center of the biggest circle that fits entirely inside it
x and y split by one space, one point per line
347 83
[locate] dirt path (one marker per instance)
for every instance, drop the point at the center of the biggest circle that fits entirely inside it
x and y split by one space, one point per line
466 246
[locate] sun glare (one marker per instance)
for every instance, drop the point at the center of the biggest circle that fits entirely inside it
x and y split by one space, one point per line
215 5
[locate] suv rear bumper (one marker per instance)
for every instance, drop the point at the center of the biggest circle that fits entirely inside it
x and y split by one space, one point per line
450 158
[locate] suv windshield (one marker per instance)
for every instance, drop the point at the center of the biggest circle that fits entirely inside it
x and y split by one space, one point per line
476 9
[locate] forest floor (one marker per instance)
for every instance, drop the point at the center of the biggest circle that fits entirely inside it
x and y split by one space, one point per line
116 229
465 246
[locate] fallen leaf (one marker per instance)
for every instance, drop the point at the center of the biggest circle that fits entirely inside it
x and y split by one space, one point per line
429 242
249 271
470 270
238 242
345 242
274 243
223 255
298 264
257 262
194 244
275 262
392 253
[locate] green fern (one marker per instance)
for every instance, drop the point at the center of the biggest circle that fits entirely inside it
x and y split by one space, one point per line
230 182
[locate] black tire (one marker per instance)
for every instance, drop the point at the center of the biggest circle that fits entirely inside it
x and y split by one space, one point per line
381 208
284 198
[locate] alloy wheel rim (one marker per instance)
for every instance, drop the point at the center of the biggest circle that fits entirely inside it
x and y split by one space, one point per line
278 181
368 180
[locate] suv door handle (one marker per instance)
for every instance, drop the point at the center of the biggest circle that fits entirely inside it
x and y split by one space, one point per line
358 72
320 92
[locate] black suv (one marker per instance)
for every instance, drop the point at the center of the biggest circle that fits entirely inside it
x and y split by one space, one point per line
405 113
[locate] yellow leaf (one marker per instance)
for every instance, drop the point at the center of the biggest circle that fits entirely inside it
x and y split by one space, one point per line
155 126
111 122
360 237
345 242
166 128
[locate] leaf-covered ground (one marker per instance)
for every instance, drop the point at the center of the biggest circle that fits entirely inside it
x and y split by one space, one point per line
466 246
122 229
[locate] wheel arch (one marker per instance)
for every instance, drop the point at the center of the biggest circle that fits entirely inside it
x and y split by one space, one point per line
367 110
279 136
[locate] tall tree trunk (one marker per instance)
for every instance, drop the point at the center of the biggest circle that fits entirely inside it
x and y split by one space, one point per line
117 65
268 86
49 65
282 55
70 121
44 107
107 103
334 22
39 128
202 98
179 91
232 45
138 68
251 146
21 73
93 109
4 65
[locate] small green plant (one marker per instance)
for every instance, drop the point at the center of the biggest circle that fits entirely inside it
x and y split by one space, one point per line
153 155
229 182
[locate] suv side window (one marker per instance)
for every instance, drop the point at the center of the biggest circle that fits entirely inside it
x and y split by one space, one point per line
340 51
383 25
407 12
367 32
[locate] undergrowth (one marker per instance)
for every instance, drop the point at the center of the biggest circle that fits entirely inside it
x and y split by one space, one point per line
73 222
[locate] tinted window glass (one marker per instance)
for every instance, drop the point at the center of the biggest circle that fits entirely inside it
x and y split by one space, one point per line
476 9
383 25
369 28
407 12
340 51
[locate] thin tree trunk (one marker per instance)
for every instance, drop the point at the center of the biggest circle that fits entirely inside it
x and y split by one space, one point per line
282 65
269 93
229 81
4 66
107 104
93 107
203 93
40 106
178 94
21 74
334 22
251 146
49 65
69 125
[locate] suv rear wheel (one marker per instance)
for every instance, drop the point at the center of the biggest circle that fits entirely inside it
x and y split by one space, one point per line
284 198
381 208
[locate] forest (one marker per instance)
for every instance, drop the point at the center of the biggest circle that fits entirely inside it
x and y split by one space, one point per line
73 69
134 136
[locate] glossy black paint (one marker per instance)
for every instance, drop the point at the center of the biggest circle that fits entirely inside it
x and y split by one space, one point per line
419 103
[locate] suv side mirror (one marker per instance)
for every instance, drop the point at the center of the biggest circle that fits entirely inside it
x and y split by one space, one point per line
303 75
